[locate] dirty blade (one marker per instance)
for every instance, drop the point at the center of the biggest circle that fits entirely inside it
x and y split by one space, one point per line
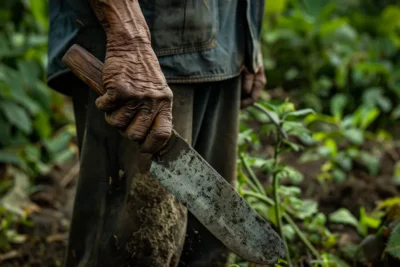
215 203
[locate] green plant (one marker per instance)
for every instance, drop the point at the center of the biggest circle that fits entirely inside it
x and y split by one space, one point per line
316 50
341 140
31 115
281 205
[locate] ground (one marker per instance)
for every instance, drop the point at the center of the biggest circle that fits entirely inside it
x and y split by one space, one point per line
47 240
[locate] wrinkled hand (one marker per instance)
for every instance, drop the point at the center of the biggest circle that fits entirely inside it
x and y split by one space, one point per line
252 86
138 100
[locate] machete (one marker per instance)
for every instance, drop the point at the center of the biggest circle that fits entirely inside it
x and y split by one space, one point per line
205 193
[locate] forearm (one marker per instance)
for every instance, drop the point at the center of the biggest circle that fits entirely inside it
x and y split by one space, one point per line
129 42
122 20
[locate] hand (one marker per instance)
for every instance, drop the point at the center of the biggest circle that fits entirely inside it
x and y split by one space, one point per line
252 86
138 100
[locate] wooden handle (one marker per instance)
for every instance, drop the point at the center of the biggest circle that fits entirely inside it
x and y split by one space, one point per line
84 65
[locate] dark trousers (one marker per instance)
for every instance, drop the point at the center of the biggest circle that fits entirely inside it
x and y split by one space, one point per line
124 217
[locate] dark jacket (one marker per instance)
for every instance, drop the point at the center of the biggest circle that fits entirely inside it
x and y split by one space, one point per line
195 40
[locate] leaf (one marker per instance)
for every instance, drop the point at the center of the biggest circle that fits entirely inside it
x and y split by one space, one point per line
331 146
338 104
369 118
5 132
306 209
289 232
331 26
63 156
355 136
39 9
275 7
314 8
17 116
393 244
367 221
299 113
371 162
344 216
41 123
338 175
388 203
9 157
331 261
58 142
292 174
17 199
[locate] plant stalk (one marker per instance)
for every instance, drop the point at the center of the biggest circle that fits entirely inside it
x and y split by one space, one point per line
287 217
252 175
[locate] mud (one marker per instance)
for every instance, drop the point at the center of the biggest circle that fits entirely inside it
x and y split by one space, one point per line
160 224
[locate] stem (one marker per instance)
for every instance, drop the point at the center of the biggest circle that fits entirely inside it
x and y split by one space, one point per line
287 217
252 175
301 235
276 196
276 187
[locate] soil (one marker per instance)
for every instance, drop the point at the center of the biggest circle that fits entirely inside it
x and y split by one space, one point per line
48 239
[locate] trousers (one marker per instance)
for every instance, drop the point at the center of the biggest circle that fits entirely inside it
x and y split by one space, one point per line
122 216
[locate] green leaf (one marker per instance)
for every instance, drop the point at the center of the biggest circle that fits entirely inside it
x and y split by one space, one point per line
314 8
331 261
298 113
17 116
41 123
369 118
338 104
393 244
331 26
5 132
275 7
355 136
64 155
291 173
371 162
9 157
367 221
343 216
331 146
306 209
338 175
39 11
58 142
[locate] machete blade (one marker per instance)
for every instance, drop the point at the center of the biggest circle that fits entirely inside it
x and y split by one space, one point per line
214 202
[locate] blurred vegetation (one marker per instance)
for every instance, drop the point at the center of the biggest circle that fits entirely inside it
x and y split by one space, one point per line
36 127
333 97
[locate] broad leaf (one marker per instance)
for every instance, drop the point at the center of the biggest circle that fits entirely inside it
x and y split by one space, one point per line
17 116
343 216
393 245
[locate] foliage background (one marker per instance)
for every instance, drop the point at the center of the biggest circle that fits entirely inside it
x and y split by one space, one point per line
337 57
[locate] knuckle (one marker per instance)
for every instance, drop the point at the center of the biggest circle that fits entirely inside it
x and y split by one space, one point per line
117 123
162 134
137 133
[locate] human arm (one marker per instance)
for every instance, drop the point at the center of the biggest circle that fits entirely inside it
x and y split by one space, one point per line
138 100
